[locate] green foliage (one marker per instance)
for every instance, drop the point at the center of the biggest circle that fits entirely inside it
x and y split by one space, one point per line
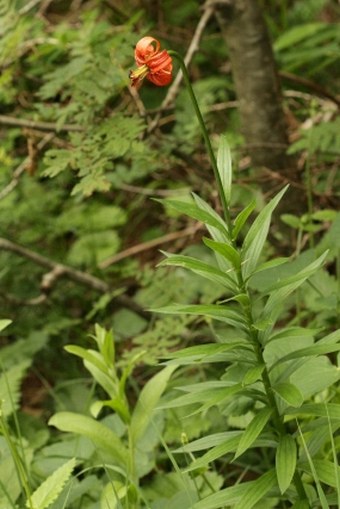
219 385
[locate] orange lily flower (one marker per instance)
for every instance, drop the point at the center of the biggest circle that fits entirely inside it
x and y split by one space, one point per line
153 64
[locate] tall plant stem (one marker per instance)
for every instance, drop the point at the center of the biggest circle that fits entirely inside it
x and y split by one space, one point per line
206 138
253 333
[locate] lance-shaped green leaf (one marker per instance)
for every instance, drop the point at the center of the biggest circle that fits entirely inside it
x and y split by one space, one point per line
241 496
201 268
192 210
329 410
224 249
256 236
285 461
210 352
224 166
51 488
100 435
289 393
253 430
229 445
289 285
326 470
242 217
215 311
206 398
147 402
257 490
309 351
93 361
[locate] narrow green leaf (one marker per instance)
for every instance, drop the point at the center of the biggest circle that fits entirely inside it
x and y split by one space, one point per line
224 498
242 218
192 210
273 304
207 442
206 398
321 493
93 361
100 435
4 323
318 410
51 488
224 166
326 470
252 375
201 268
147 402
285 461
310 351
217 312
202 353
256 236
257 490
224 249
229 445
289 393
270 264
253 430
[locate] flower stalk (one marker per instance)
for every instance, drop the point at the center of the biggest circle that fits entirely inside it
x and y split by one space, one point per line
242 288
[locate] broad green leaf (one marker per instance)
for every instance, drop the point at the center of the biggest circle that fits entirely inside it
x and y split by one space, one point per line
253 430
331 338
224 166
147 402
257 490
229 445
224 249
4 323
100 435
192 210
217 312
242 218
310 351
285 461
201 268
256 236
51 488
289 393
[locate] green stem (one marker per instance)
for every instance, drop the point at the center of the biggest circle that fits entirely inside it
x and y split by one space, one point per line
253 333
205 137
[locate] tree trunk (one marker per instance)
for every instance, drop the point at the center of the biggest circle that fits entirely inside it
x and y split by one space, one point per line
256 82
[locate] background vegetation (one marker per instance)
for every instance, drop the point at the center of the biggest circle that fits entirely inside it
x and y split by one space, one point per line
82 156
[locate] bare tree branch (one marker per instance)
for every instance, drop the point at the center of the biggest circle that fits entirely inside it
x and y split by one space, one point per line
43 126
22 167
58 270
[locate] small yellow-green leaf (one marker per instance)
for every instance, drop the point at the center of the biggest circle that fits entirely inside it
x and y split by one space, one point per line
51 488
